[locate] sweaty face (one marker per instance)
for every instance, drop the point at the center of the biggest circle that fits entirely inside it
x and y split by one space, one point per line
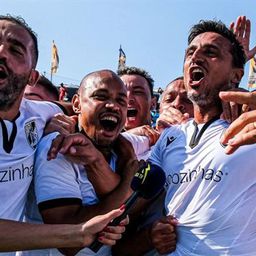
139 101
15 62
207 68
103 103
175 96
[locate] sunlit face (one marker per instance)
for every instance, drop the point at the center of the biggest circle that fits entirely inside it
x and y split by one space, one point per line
207 68
139 101
16 62
103 107
175 96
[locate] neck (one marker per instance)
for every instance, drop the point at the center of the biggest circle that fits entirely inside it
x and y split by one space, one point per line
11 113
204 115
105 150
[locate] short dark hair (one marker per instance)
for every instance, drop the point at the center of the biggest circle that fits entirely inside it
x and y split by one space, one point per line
219 27
21 22
138 71
49 86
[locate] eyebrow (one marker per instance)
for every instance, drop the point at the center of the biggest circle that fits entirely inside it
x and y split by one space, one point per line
204 46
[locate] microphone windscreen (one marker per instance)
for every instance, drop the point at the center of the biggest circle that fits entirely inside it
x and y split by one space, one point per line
148 180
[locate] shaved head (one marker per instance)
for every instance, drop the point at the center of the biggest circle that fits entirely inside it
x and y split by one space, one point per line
98 77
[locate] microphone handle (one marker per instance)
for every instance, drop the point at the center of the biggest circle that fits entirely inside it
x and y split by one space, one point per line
96 245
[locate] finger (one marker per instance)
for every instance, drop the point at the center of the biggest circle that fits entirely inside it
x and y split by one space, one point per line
125 221
238 125
109 238
251 53
71 140
237 30
113 214
185 117
231 26
247 33
234 110
176 115
152 134
245 137
242 26
53 127
239 97
245 108
55 147
161 125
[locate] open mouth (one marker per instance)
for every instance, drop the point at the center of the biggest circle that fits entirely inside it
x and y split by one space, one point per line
109 123
132 112
3 74
197 74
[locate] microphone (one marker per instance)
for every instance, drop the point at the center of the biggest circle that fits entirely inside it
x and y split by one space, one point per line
147 182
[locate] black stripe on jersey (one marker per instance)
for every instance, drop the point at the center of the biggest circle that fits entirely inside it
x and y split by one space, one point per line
58 202
196 138
8 143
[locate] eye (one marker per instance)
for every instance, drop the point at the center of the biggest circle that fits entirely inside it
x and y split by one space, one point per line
189 52
122 101
16 50
139 92
210 52
99 97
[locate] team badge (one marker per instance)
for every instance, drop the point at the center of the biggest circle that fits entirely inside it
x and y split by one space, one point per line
31 133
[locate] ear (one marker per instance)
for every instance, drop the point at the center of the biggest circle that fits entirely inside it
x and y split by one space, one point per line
33 78
153 103
237 75
76 104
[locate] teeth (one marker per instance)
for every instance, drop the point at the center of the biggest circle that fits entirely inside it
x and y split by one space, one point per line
197 70
110 118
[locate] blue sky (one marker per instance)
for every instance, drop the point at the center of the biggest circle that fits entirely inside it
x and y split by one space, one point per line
152 33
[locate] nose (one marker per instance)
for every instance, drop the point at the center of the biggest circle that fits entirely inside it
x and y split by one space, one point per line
197 56
130 98
112 105
178 104
2 51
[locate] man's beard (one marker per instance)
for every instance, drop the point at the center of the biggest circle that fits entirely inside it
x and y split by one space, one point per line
11 91
208 98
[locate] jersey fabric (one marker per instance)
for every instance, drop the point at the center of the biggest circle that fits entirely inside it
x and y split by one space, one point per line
213 195
61 179
18 140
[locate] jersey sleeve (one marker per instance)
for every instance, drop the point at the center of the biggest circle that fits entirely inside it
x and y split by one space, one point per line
156 153
54 179
140 143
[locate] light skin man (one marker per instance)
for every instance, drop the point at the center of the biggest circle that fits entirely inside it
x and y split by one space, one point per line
214 62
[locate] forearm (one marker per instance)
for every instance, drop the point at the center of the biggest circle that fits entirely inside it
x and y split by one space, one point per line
17 236
102 177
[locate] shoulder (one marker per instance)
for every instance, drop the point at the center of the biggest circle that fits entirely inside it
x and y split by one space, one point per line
40 108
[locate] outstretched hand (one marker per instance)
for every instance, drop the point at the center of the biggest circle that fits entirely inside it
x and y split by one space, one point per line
242 30
99 226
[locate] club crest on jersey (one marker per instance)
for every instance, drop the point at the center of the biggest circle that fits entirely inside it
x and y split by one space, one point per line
31 133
